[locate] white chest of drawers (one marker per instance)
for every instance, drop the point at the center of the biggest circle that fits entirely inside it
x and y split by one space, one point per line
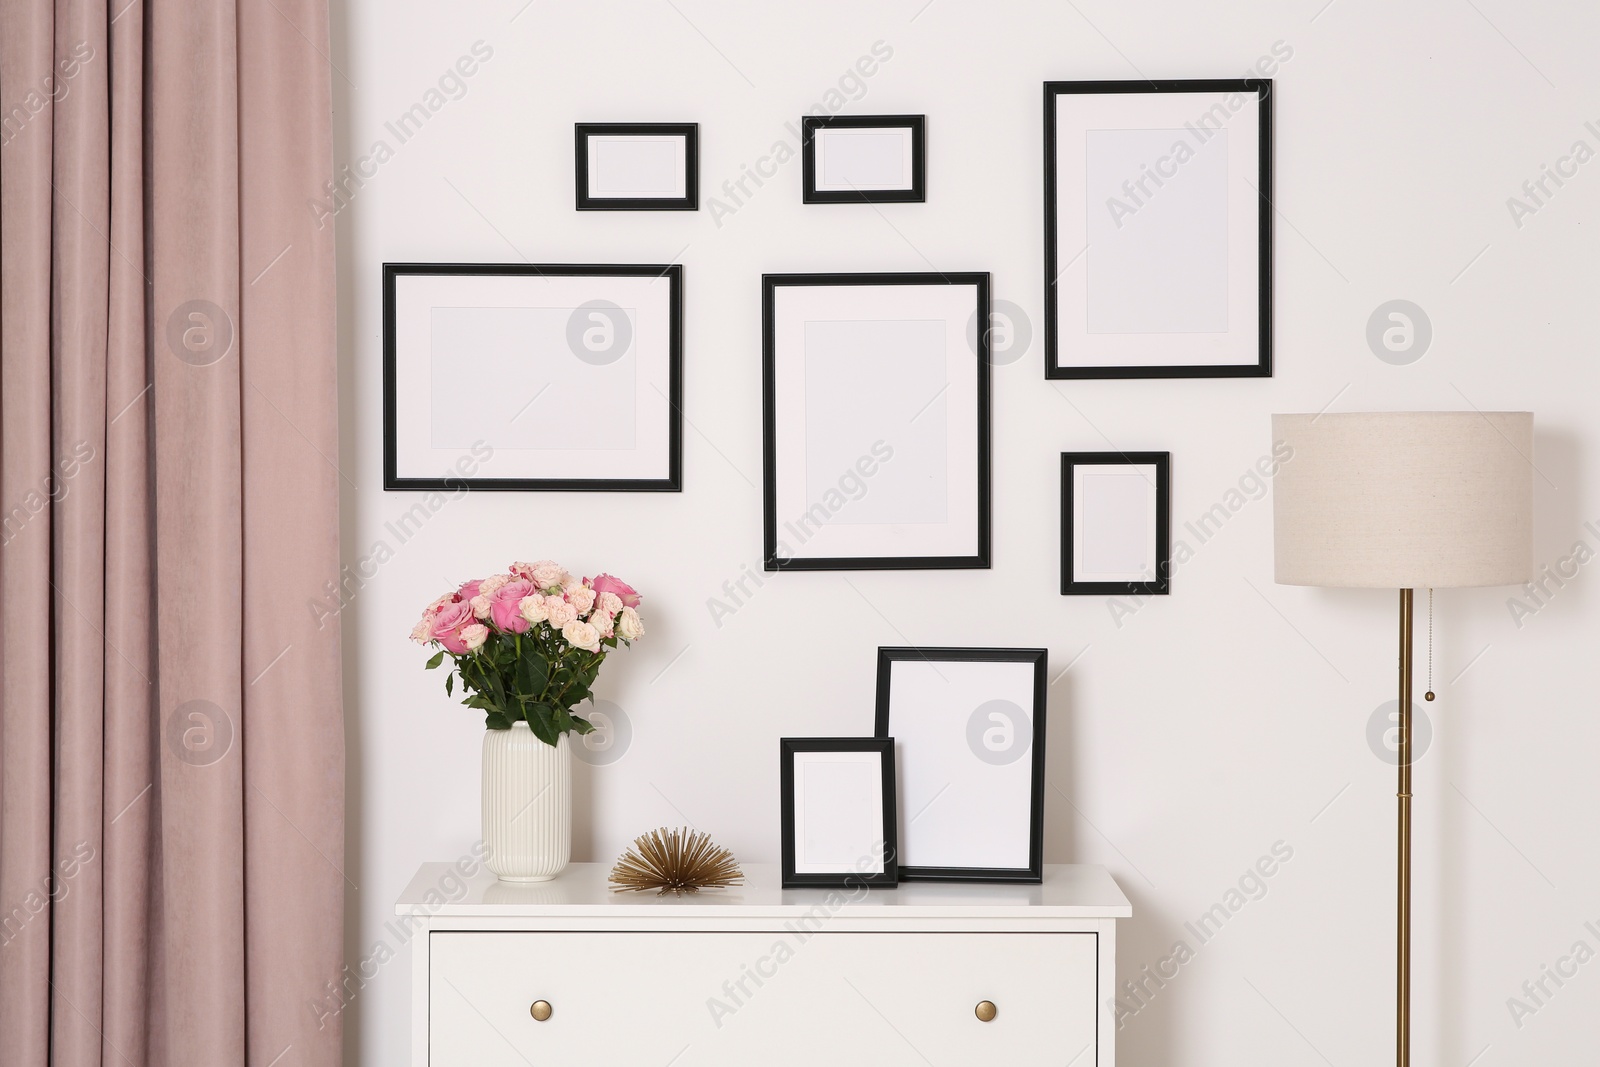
761 976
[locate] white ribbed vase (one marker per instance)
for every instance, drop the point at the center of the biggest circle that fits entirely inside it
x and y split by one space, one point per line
527 805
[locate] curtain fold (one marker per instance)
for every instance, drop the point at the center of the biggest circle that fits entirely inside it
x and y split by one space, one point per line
27 604
171 735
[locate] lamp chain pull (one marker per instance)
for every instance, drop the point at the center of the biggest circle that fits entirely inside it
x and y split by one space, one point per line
1429 694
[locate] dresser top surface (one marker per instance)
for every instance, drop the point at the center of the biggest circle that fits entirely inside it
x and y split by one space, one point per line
1069 891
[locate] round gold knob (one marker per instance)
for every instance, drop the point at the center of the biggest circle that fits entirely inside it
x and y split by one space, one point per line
986 1011
541 1010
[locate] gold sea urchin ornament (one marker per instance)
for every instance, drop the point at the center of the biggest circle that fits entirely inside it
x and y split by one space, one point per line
675 861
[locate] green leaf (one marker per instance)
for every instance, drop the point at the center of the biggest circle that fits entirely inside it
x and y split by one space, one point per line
541 720
496 721
449 682
532 673
438 658
582 725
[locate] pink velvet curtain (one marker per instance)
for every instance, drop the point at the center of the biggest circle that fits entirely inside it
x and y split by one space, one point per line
171 742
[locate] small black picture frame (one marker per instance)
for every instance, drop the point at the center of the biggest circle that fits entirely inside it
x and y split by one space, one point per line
1083 535
910 188
969 731
905 355
871 755
685 192
1237 342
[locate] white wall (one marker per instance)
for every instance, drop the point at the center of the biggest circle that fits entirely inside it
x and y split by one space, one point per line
1214 722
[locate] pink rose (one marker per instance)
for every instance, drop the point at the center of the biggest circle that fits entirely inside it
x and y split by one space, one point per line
607 605
474 635
492 584
559 612
469 590
533 608
581 598
422 632
447 626
547 573
606 583
505 606
480 606
581 635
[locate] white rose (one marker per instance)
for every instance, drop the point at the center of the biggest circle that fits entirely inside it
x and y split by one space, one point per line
558 612
480 606
629 626
604 624
581 635
474 636
489 585
534 609
581 598
547 574
607 604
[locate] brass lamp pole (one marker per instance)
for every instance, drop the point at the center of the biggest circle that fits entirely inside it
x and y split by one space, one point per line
1402 1008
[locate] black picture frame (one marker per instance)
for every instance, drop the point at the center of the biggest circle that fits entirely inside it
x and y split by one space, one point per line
690 131
671 483
1053 265
979 341
1161 584
916 194
789 747
885 727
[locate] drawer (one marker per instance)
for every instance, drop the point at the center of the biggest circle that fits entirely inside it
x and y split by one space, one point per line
773 998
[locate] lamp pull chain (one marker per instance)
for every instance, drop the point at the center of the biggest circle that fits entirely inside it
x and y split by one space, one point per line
1429 694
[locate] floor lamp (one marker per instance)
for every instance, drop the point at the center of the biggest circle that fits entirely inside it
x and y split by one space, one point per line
1404 500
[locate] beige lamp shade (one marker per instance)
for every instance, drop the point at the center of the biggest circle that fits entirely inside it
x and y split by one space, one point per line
1404 500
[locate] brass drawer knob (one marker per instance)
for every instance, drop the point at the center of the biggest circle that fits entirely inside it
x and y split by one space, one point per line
541 1010
986 1011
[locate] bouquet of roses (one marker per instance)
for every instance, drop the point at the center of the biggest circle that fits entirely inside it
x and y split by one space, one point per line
528 644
